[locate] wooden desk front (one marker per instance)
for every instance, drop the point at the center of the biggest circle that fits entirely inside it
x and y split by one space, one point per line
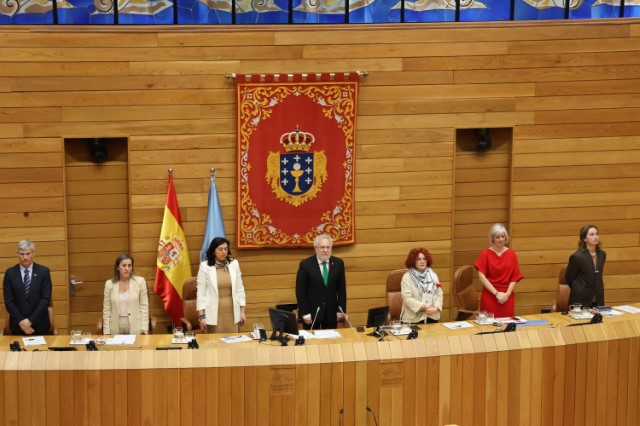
536 376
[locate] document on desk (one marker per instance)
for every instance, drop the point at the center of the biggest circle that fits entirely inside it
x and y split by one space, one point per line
317 334
34 341
611 313
457 324
507 320
534 322
236 339
326 334
121 339
628 308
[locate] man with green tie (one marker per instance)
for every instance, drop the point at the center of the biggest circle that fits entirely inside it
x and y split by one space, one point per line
321 287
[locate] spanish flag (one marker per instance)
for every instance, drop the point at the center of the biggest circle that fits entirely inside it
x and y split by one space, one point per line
173 258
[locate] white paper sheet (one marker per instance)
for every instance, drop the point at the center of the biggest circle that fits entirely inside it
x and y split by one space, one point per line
628 308
34 341
236 339
507 320
122 339
457 324
611 313
184 340
326 334
317 334
81 342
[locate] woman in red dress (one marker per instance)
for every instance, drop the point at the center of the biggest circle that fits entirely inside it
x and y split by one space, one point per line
499 272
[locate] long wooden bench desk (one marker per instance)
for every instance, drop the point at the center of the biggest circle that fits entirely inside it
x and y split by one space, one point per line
539 375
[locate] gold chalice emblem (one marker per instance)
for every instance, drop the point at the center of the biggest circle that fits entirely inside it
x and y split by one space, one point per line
296 173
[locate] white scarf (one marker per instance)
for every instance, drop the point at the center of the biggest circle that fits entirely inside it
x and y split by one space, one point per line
423 280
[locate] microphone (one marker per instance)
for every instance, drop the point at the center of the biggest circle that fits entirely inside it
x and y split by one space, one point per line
345 316
596 319
314 320
375 419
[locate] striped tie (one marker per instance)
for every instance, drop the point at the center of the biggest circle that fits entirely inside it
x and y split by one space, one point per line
27 282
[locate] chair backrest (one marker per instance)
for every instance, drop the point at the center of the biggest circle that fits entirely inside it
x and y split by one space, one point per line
464 293
52 331
394 295
189 291
562 299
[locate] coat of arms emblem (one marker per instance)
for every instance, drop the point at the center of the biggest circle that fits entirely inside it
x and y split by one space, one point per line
170 252
296 175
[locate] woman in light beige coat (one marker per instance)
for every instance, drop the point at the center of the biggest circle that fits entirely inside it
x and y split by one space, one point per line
422 296
126 303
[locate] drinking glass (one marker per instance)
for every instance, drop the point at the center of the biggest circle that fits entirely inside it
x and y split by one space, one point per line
178 333
256 329
396 324
76 336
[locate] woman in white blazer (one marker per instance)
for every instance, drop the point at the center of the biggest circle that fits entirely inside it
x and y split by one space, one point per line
125 307
220 295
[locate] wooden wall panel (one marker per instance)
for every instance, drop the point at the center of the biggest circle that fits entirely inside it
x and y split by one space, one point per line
566 95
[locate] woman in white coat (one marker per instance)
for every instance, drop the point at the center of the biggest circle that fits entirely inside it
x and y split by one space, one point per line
125 307
220 295
422 296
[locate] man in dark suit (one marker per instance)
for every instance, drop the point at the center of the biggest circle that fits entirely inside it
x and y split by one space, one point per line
321 287
27 293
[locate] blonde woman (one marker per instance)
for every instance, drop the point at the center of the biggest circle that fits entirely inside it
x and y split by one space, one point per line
126 303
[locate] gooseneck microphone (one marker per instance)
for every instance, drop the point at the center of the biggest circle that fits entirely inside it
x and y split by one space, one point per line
345 316
314 319
375 419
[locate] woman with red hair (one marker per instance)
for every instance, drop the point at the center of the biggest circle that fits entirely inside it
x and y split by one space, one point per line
421 290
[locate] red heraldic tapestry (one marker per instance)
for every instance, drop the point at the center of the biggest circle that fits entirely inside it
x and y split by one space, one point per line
173 267
296 142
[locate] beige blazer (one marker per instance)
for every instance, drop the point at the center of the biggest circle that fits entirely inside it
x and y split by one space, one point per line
138 306
207 291
413 299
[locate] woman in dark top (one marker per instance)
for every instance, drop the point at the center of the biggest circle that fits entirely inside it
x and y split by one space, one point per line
584 272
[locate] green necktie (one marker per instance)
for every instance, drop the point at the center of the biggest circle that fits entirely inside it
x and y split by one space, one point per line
325 273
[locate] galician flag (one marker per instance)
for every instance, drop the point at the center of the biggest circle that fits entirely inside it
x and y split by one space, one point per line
173 258
215 225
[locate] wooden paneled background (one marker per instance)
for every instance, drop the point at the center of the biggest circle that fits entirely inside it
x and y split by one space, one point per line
561 98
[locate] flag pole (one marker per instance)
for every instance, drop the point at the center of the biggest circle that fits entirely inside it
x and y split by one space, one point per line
214 225
173 268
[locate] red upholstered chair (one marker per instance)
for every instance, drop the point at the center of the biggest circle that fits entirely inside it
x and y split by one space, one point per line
464 293
394 294
562 299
